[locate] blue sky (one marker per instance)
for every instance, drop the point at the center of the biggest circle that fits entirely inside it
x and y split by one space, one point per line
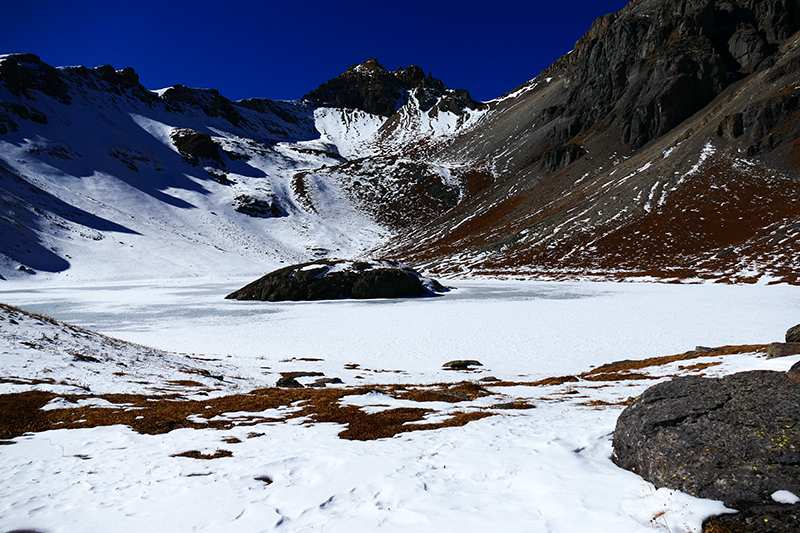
283 50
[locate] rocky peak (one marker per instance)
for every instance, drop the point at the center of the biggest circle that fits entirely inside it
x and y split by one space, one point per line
369 86
22 74
370 67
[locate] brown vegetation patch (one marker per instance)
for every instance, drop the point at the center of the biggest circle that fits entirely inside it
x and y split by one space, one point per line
619 376
443 393
195 454
699 366
725 219
21 413
556 380
621 369
185 383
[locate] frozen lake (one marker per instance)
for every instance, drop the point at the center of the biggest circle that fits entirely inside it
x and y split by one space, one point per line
530 329
542 468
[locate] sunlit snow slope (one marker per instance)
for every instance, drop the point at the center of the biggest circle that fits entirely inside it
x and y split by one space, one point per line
101 178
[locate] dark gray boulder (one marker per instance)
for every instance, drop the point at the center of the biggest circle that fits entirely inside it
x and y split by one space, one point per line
782 349
289 382
793 334
461 364
332 280
735 439
257 207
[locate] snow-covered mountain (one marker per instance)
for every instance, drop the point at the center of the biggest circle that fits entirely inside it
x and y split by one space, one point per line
664 146
103 178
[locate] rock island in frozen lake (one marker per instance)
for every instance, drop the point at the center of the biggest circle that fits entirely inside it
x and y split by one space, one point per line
332 280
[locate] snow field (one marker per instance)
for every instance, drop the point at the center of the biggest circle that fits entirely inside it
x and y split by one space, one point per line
547 470
542 469
518 330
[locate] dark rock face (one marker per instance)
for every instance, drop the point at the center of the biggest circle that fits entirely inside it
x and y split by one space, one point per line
257 208
332 280
735 439
654 64
210 101
370 87
23 73
194 145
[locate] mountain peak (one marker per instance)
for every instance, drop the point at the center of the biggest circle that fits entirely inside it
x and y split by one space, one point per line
369 67
369 86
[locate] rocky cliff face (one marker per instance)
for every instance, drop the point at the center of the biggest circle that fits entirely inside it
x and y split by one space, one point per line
654 64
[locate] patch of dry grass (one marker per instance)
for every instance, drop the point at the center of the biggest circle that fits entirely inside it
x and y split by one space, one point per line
195 454
21 413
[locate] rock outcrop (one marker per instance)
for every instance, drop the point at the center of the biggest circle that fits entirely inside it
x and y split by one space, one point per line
735 439
793 334
654 64
372 88
332 280
257 207
194 145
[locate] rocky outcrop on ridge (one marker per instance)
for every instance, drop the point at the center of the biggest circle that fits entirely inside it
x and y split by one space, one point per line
654 64
372 88
332 280
735 439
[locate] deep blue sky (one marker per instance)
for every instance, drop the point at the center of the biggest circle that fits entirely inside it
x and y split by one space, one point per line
285 49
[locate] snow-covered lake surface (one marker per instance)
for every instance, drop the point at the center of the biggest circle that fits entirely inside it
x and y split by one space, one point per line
530 329
545 469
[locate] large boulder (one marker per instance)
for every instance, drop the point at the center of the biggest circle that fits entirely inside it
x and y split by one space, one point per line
793 334
735 439
332 280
